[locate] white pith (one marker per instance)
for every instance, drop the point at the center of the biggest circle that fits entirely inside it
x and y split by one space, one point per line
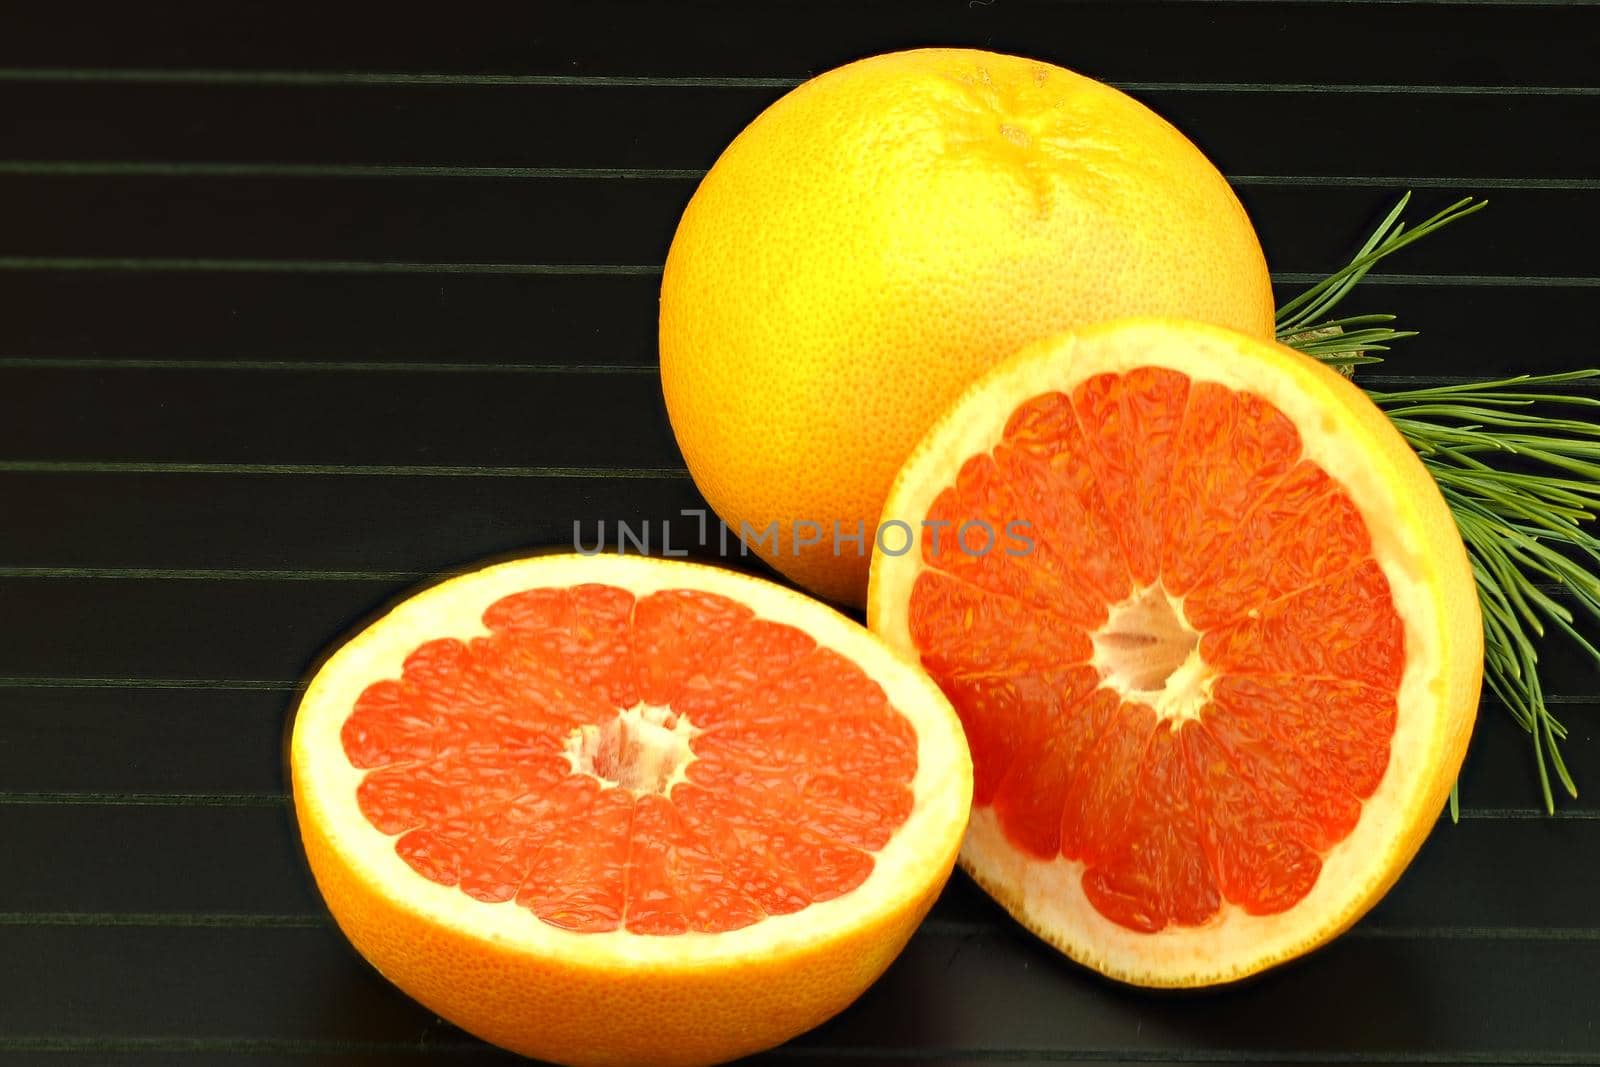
326 783
1047 895
1148 653
645 749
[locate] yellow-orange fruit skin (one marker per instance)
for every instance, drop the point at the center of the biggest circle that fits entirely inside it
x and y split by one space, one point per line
553 1011
881 236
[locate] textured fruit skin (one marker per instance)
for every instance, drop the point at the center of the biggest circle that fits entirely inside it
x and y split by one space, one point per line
553 1012
885 233
1421 512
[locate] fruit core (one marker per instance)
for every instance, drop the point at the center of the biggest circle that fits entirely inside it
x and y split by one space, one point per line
1187 688
660 764
644 749
1146 651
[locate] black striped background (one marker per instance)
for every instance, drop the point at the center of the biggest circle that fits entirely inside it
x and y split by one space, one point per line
300 307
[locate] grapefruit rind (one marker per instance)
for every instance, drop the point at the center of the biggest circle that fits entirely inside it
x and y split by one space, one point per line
616 997
888 231
1414 541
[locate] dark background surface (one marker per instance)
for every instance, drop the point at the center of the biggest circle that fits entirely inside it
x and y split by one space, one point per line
299 308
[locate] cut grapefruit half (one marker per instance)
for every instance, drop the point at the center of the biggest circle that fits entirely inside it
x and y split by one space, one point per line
606 810
1211 632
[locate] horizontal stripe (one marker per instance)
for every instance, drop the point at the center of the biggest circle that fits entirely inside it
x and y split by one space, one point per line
1426 3
1505 281
333 366
1475 933
1364 90
135 75
315 266
19 466
1379 181
121 168
450 1043
161 919
217 684
321 266
117 168
200 76
235 1045
212 574
1365 378
102 363
92 798
1513 814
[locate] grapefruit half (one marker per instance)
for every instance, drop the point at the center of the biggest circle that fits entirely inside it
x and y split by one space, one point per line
1219 681
605 810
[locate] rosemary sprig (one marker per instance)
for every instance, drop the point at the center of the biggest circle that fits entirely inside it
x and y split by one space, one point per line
1521 481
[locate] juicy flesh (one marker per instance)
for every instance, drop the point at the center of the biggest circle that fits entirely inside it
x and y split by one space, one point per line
1189 684
660 764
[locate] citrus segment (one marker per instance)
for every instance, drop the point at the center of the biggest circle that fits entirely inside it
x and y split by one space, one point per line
578 875
1099 804
1130 422
969 530
993 679
1300 532
1155 872
1263 857
1342 627
1187 702
667 782
1032 797
1232 447
1045 455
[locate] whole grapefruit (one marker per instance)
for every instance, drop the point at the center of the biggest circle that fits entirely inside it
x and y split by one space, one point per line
886 232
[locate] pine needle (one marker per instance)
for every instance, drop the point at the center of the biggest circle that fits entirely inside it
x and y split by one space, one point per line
1518 465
